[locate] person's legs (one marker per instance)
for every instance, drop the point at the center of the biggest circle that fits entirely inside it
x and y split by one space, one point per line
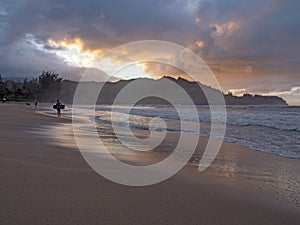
58 113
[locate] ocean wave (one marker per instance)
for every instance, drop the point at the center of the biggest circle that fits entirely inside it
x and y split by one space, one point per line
285 121
268 129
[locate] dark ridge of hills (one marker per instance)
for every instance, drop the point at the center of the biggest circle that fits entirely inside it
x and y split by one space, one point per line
195 90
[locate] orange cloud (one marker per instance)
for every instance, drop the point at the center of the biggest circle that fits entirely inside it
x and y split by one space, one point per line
224 29
73 51
158 70
76 43
197 20
200 44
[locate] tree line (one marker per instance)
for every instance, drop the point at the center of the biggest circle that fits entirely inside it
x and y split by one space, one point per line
46 87
49 86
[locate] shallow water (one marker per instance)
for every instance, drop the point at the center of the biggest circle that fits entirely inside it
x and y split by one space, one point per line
277 177
271 129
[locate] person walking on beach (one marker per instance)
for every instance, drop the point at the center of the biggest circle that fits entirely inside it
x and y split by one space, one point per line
58 107
35 104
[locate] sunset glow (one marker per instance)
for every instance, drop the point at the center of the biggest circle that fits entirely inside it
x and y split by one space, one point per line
244 49
73 52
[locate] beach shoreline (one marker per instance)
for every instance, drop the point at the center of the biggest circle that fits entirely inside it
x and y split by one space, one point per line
44 182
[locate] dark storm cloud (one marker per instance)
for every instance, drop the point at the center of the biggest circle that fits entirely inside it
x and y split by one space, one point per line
267 24
97 22
266 39
243 41
100 24
266 28
24 61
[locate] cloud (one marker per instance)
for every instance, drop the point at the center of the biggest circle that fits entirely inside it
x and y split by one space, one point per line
237 92
26 59
243 48
292 96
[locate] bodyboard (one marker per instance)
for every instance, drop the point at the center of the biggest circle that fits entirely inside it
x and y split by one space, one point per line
61 106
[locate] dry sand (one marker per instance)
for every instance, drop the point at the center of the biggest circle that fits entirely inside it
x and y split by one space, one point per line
43 183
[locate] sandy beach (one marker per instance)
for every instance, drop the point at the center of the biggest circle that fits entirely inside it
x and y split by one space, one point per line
43 182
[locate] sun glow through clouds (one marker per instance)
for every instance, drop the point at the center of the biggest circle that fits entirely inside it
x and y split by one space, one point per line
72 52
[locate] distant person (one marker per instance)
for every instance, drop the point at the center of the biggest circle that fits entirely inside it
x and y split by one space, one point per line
3 100
58 107
35 104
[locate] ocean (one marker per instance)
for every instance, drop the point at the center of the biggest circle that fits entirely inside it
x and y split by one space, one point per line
270 129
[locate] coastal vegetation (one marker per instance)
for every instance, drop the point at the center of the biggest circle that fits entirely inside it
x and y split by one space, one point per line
49 86
44 88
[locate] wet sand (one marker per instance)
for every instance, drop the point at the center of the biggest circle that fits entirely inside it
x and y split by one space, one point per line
43 182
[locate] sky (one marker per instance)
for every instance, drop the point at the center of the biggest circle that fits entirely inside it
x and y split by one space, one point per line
251 46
